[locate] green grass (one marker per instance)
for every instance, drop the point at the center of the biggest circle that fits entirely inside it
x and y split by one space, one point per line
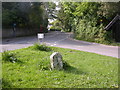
113 43
84 70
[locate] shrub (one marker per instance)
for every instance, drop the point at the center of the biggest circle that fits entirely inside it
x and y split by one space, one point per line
10 57
86 30
41 47
44 64
89 31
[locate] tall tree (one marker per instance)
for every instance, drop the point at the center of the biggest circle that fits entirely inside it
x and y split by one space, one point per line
24 14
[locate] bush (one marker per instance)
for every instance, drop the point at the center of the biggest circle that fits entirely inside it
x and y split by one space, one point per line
44 64
89 31
86 30
41 47
10 57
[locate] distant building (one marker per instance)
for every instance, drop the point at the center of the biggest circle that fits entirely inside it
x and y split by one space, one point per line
114 25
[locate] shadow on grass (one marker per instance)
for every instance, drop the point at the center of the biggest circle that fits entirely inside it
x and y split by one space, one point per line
20 62
71 69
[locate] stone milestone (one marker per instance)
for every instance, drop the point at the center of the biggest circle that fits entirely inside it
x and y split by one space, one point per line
56 61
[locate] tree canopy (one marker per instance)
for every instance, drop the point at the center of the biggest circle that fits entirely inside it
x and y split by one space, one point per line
24 14
88 19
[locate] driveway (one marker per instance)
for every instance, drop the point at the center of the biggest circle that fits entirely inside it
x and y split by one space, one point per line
60 39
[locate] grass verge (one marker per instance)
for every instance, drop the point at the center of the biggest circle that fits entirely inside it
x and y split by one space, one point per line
104 42
83 70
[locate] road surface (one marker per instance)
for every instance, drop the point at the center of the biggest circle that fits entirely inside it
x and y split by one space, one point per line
60 39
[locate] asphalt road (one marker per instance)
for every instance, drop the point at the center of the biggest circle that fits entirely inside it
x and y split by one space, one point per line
60 39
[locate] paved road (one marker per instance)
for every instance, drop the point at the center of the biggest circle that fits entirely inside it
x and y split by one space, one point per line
60 39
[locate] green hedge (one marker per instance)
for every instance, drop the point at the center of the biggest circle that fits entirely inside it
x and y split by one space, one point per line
89 31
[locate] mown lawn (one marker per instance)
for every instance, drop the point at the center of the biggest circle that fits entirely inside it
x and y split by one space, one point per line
85 70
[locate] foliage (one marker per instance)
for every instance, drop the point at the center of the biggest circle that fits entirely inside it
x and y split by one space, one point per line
6 21
93 71
24 14
56 25
44 64
109 9
89 32
65 16
51 8
86 31
10 57
41 47
14 14
88 19
36 15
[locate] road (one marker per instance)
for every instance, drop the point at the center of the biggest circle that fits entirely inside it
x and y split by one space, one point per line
60 39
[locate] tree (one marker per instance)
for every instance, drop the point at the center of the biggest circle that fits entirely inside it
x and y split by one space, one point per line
65 15
87 19
108 11
24 14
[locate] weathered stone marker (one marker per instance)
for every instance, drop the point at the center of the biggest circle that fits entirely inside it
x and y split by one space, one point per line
56 61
